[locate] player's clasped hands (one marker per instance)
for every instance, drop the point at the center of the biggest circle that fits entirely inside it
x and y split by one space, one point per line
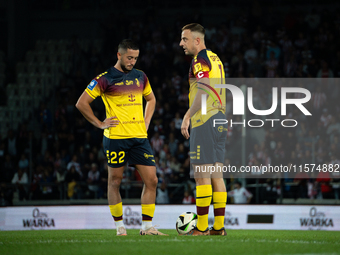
110 122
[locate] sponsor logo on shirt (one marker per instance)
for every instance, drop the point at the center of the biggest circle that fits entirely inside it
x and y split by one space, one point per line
137 83
214 58
198 67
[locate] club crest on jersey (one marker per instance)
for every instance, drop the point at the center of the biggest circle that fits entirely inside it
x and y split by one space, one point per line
92 84
132 98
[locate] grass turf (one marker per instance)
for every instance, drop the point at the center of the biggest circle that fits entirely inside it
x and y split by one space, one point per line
106 242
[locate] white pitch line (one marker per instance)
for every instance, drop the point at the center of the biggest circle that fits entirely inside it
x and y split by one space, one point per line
123 240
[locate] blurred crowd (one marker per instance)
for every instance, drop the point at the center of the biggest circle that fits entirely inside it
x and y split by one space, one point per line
259 42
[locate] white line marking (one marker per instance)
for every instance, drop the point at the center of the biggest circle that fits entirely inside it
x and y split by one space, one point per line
176 239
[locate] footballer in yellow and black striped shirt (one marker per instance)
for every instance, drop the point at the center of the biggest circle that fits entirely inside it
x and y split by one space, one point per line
207 143
122 89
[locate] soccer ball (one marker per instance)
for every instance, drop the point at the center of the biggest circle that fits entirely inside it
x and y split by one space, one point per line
186 222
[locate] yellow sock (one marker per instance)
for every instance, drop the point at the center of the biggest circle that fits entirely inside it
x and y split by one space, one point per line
220 201
203 200
147 212
117 211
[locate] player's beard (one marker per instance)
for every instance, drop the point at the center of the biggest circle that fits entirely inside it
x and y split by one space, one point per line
188 53
125 69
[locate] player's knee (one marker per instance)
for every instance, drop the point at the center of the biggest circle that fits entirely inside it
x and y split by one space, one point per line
115 181
155 181
152 182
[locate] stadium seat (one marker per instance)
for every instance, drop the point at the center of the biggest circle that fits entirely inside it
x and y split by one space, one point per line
14 114
46 80
23 89
22 78
32 67
55 71
33 78
13 102
43 67
55 67
37 96
4 127
11 89
62 45
10 92
15 123
52 57
51 45
25 106
3 111
41 56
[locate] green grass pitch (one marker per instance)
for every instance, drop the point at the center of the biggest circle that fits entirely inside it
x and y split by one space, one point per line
106 242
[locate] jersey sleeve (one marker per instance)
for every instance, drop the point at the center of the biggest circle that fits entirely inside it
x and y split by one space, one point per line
201 67
96 87
147 87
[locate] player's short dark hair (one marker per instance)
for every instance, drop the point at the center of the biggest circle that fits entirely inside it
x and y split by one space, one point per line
127 44
195 27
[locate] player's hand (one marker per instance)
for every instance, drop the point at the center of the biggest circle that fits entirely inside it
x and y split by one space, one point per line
147 125
185 128
110 122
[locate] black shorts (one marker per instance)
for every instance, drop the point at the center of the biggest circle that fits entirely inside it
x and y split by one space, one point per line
207 143
134 151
